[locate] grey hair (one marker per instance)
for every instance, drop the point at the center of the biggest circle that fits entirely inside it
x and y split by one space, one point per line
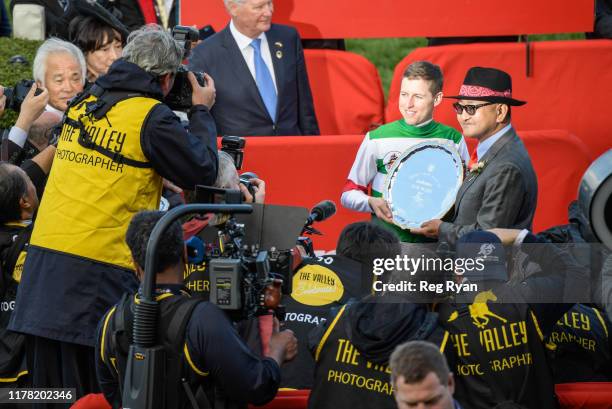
227 2
154 50
54 45
226 172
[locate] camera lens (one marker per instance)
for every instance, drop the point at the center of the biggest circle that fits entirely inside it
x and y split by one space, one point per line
595 197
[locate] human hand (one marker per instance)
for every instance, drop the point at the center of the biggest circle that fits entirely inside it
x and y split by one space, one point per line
380 208
259 186
282 345
32 107
430 228
171 186
507 236
202 95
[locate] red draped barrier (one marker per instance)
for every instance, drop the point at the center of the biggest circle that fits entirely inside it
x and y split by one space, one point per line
568 86
287 399
581 395
393 18
585 395
91 401
347 92
302 171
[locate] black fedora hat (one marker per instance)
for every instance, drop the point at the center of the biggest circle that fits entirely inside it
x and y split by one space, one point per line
487 84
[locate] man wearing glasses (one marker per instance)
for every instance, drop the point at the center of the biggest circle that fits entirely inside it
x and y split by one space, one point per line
500 188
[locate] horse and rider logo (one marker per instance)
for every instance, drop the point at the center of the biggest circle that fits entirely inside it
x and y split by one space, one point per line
486 249
389 159
479 310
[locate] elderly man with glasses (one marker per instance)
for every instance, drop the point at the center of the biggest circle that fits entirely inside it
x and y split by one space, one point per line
500 187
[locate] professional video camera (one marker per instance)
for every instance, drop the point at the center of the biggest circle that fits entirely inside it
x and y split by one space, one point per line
245 281
247 277
16 95
179 97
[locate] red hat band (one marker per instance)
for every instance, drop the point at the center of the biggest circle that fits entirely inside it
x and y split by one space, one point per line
478 91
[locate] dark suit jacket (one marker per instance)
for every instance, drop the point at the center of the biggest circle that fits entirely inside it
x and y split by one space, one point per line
239 109
503 195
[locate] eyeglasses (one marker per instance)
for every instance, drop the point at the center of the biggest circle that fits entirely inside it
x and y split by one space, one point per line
470 109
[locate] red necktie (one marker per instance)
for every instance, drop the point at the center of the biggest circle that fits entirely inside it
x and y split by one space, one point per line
473 159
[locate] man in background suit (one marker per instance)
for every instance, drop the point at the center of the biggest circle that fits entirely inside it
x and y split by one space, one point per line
500 189
259 72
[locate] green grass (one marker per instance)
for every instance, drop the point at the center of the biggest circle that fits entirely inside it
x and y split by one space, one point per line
385 53
555 37
10 74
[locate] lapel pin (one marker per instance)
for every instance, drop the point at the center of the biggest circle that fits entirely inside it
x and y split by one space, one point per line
279 54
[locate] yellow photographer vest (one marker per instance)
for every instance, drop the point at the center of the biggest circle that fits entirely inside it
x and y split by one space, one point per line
91 196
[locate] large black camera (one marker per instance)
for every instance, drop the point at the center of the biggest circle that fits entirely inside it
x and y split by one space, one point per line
16 95
245 179
247 275
179 98
234 146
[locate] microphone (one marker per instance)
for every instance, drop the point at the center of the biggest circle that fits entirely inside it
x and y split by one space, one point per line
321 211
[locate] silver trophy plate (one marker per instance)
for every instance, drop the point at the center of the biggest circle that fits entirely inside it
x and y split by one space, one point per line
423 182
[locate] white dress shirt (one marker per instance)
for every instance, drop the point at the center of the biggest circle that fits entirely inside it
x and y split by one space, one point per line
244 44
49 108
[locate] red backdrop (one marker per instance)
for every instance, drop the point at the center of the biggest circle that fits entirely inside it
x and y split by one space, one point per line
568 86
393 18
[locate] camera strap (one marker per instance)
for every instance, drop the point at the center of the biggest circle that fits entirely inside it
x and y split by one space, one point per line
174 340
95 111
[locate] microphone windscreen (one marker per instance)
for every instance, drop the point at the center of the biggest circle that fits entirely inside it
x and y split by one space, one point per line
324 210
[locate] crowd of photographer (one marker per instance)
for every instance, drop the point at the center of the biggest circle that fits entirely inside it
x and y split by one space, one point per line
95 144
138 140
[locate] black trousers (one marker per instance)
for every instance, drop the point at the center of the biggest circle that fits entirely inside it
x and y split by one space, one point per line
55 364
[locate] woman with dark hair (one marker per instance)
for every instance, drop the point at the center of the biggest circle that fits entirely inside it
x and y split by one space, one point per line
100 42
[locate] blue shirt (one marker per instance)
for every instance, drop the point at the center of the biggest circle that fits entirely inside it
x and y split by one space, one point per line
485 145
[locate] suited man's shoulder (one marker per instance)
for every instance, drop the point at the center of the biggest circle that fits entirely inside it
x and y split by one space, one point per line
508 145
512 157
203 55
211 44
214 40
283 30
516 149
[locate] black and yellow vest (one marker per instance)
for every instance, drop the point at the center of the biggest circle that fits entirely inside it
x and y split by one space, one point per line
345 379
579 346
14 238
318 285
174 313
100 178
497 352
